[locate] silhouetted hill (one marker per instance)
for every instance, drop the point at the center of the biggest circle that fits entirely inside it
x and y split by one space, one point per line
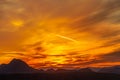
19 70
16 66
50 70
64 70
114 69
85 70
95 69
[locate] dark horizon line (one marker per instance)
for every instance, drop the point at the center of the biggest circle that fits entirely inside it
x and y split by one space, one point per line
57 68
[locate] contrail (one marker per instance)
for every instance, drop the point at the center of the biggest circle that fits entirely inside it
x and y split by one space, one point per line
67 38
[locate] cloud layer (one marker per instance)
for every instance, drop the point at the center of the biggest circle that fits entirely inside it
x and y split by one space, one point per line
60 33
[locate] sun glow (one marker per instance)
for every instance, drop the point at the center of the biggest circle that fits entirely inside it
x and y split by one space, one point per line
17 23
59 33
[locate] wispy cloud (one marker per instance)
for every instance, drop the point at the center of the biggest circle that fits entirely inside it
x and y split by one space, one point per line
30 28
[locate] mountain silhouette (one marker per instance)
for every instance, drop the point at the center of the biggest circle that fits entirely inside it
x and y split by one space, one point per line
19 70
86 70
16 66
114 69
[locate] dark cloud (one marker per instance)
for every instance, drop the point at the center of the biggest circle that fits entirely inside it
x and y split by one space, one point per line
110 57
111 43
103 14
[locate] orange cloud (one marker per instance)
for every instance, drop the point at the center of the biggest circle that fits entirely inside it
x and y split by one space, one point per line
53 33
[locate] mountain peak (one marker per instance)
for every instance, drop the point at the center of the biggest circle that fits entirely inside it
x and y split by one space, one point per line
17 61
17 66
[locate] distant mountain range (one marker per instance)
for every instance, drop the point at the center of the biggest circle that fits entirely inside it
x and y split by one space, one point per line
19 70
113 69
19 66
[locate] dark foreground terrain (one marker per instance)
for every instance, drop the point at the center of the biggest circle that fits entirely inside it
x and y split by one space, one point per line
19 70
61 76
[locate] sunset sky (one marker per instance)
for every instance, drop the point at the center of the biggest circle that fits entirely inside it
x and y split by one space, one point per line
60 33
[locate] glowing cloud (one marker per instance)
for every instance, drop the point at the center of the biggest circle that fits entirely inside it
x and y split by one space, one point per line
60 33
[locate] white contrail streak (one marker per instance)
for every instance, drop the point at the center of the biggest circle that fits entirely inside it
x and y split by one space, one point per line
67 38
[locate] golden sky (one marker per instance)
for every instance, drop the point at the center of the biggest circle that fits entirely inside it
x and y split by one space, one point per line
60 33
